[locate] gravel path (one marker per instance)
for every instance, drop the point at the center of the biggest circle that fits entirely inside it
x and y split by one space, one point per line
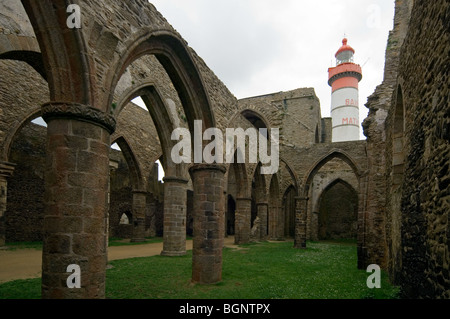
27 263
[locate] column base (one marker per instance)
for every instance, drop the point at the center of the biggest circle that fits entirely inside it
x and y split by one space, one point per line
173 253
300 245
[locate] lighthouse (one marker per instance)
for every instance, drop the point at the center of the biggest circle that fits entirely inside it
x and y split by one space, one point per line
344 80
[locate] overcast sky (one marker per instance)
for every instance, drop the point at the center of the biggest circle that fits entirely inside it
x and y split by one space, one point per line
258 47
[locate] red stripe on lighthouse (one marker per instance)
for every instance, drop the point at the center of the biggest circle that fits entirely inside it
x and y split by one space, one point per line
345 82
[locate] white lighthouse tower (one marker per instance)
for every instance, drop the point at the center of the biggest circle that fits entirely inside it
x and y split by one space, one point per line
344 80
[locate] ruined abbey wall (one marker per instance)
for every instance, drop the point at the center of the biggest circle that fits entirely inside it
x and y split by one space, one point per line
396 182
408 122
425 202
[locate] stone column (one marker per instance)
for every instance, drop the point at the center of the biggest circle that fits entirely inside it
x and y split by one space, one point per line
362 253
76 191
272 221
208 181
243 220
175 209
280 223
262 211
138 207
300 222
6 170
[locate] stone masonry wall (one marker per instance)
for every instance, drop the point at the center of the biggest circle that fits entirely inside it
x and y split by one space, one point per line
25 208
377 216
425 203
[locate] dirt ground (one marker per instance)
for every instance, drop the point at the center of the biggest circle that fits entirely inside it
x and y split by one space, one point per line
27 263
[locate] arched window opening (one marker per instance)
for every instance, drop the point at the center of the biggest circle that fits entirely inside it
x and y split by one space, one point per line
338 212
254 118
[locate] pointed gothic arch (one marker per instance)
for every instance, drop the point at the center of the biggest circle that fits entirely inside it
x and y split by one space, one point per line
338 211
161 118
179 64
65 57
137 180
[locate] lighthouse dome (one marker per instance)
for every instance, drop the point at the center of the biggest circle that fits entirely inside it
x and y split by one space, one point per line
345 53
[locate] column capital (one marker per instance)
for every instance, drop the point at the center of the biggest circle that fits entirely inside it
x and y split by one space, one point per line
175 179
81 112
301 198
262 204
204 167
244 199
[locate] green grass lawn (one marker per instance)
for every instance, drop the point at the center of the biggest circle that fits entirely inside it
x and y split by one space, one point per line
255 271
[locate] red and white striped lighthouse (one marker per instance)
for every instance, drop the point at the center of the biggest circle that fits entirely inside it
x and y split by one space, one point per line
344 80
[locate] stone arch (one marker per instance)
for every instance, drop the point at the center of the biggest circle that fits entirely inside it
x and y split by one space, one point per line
82 78
22 68
25 147
336 153
176 59
240 177
343 213
331 155
19 44
122 200
315 200
137 180
293 176
34 59
32 114
256 118
68 67
162 120
19 108
268 111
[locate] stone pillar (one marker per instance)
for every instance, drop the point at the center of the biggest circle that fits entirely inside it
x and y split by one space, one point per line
262 211
362 253
175 208
280 223
76 191
300 222
6 170
225 215
243 220
138 208
208 181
